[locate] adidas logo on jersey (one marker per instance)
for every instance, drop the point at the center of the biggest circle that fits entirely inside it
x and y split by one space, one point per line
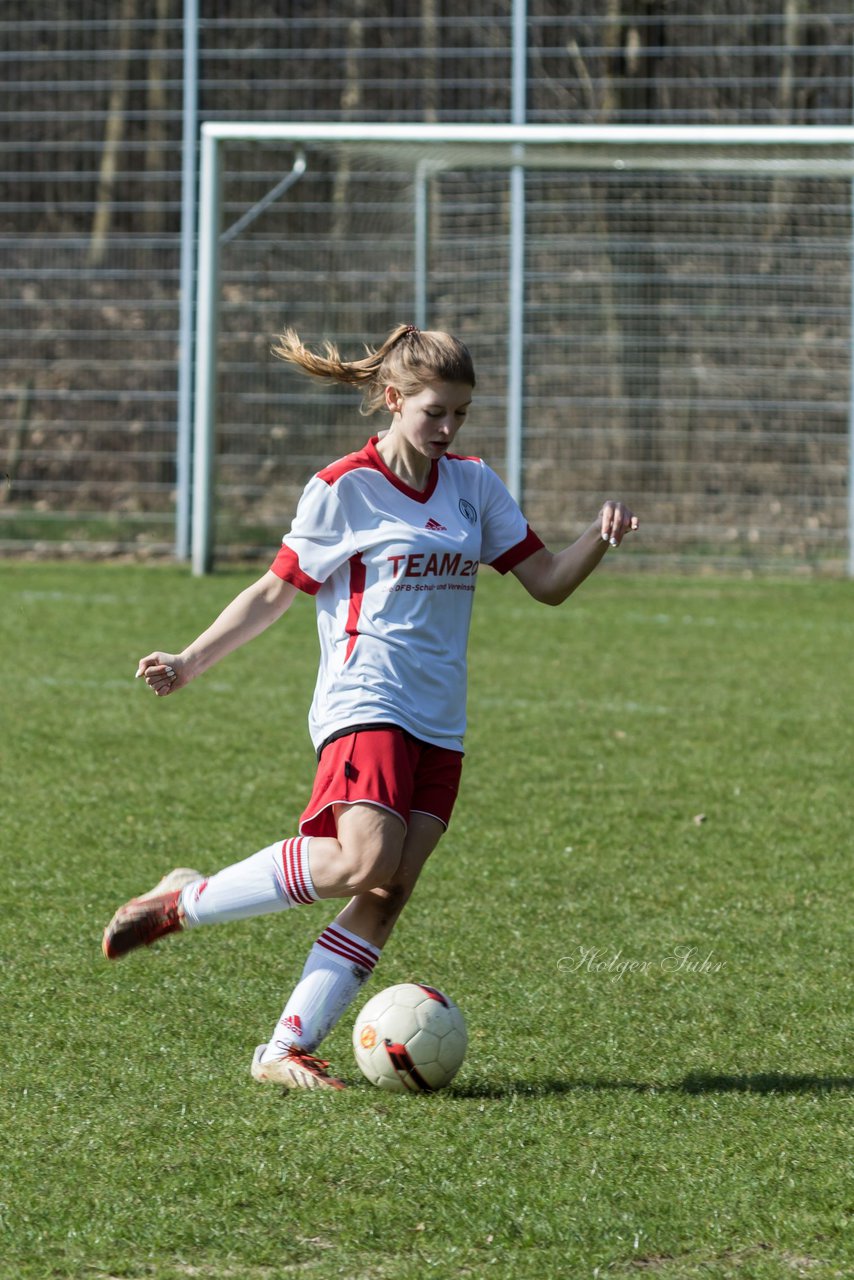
435 526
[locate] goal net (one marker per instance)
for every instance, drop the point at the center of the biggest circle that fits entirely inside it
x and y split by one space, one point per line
662 315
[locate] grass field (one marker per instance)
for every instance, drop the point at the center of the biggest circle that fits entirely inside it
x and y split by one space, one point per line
643 907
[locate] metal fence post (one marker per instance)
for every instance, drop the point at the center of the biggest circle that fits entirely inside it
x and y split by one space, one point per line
516 306
207 313
184 441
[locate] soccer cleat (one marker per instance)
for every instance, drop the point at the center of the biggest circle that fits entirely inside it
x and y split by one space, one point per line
294 1070
150 916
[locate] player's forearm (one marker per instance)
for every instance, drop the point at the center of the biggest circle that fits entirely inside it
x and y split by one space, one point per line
570 567
245 617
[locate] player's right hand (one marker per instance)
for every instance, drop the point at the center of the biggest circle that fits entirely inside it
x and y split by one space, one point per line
164 673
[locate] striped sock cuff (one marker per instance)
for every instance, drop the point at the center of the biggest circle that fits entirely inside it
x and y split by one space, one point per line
340 942
296 875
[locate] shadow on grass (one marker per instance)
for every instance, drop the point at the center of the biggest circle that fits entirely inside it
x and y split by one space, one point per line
694 1082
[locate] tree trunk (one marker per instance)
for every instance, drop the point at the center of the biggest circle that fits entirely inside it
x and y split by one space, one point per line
779 200
350 107
154 216
632 204
17 442
112 138
430 47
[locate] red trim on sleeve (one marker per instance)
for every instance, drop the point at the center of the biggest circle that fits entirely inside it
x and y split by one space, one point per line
286 567
529 544
352 462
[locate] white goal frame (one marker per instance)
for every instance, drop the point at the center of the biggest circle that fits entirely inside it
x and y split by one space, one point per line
772 150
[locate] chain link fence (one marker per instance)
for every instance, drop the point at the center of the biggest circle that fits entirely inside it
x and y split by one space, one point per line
91 99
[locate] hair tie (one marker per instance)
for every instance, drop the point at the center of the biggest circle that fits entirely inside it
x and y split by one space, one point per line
410 330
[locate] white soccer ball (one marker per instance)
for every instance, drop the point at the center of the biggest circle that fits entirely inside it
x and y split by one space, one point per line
410 1038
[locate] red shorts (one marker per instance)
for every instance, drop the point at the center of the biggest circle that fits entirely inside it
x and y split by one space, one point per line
385 767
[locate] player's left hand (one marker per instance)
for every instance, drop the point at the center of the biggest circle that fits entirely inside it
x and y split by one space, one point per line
615 521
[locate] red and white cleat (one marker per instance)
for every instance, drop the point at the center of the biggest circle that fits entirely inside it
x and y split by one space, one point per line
294 1070
150 916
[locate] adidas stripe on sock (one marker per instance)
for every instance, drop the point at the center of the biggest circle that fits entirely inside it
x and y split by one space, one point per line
296 876
337 967
347 947
271 880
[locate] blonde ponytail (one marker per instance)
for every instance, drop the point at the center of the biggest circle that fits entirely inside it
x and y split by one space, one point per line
408 359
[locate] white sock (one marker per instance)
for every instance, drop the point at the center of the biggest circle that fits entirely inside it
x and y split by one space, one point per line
274 879
338 965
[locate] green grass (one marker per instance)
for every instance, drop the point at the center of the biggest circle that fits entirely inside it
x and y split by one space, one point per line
617 1114
25 525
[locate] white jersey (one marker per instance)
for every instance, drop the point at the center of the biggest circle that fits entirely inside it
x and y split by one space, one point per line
393 573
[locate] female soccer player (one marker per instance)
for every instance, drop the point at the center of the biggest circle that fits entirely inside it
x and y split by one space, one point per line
388 540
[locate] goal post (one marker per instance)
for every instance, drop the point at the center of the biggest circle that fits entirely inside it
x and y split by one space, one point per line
604 213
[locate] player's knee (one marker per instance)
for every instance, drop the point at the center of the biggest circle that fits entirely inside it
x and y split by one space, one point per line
371 842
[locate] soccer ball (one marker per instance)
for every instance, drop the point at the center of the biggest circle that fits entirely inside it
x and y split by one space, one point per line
410 1038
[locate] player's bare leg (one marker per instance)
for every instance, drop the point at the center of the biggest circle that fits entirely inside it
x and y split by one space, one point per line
373 914
288 873
367 852
339 964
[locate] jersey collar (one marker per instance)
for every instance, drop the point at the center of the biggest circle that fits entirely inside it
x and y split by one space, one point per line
416 494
